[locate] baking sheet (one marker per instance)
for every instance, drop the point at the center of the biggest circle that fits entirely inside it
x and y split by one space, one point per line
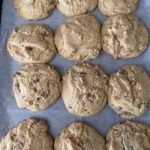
57 116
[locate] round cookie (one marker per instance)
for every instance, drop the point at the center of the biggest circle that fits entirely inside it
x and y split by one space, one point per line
84 90
76 7
124 36
30 134
34 9
79 38
128 136
36 86
117 7
32 43
79 136
128 93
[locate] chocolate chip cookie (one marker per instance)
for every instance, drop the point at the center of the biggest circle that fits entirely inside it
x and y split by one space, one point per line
76 7
30 134
32 43
79 38
128 93
34 9
117 7
124 36
36 86
128 136
84 90
79 136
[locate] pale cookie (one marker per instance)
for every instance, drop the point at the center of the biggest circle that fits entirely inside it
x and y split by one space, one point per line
129 91
124 36
32 43
79 38
34 9
79 136
85 90
30 134
117 7
76 7
36 86
128 136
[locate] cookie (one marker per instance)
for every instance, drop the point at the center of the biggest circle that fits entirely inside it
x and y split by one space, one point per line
34 9
128 93
84 90
30 134
79 136
79 38
124 36
76 7
36 86
117 7
32 43
128 136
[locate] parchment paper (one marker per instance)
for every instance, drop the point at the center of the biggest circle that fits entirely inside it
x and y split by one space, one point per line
57 116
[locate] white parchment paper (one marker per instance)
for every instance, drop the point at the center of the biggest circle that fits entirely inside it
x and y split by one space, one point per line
57 116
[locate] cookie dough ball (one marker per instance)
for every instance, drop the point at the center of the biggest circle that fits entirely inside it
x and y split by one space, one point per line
128 136
36 86
79 136
79 38
32 43
117 7
124 36
85 90
34 9
76 7
128 93
30 134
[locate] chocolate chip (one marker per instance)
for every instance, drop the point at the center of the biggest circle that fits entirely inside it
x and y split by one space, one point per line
69 107
91 96
38 99
123 72
29 48
118 108
18 86
97 73
35 78
17 74
80 74
45 95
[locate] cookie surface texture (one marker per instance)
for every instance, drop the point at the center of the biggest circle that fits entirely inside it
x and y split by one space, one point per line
124 36
79 38
31 44
34 9
36 86
79 136
117 7
128 93
76 7
128 136
85 90
30 134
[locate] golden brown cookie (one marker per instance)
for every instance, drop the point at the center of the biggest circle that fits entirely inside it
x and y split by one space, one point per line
124 36
128 136
79 38
84 90
32 43
34 9
36 86
117 7
128 93
30 134
76 7
79 136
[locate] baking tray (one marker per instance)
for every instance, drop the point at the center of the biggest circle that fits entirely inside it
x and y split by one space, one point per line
57 116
